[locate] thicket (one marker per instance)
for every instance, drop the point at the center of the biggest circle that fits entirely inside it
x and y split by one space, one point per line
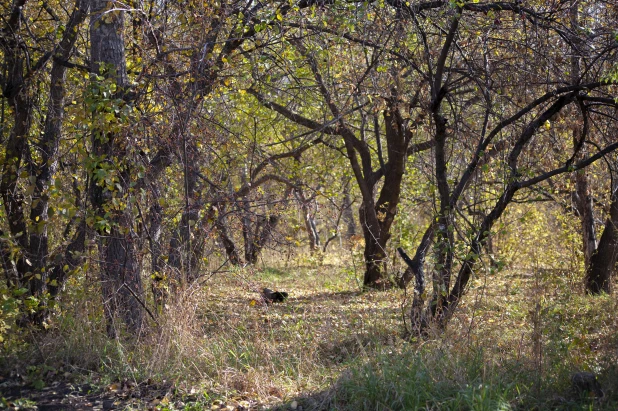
157 154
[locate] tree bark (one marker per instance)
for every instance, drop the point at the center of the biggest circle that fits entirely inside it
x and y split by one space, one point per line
583 197
312 232
348 215
228 243
603 260
120 277
30 267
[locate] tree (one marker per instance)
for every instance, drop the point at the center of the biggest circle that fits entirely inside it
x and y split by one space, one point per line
30 165
467 83
362 124
111 193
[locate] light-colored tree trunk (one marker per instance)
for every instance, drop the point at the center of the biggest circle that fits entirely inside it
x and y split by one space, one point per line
121 282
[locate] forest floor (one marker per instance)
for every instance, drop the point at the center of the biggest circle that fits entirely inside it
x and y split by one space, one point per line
514 343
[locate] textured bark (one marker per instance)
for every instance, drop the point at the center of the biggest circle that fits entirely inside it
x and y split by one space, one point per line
310 227
228 243
260 235
50 144
603 260
377 221
15 90
444 228
158 285
348 215
121 283
30 267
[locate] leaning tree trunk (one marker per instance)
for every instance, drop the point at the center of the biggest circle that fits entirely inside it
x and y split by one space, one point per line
121 283
224 235
603 260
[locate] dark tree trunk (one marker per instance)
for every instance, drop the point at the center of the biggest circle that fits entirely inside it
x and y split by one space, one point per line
583 198
583 206
31 267
50 143
121 282
603 260
444 228
263 231
374 253
228 243
182 259
376 221
16 150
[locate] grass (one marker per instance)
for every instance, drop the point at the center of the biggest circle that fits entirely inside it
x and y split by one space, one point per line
513 344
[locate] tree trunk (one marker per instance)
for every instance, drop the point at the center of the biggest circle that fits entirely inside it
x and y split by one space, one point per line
583 198
603 260
29 268
121 282
261 234
374 253
158 285
50 145
348 215
585 212
228 243
377 220
312 232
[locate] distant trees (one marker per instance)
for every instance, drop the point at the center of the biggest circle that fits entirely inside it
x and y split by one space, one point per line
358 110
483 85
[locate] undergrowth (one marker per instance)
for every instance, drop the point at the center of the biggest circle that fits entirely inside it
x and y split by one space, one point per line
513 344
